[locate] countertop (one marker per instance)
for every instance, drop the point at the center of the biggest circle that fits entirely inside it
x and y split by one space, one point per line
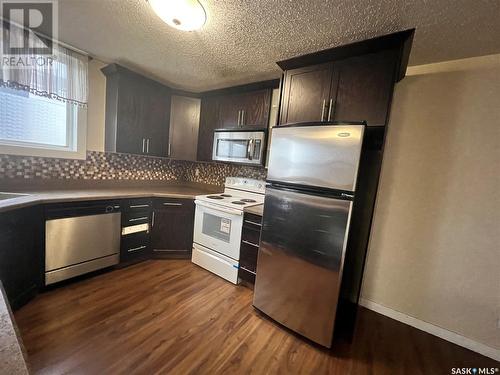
256 210
40 196
12 359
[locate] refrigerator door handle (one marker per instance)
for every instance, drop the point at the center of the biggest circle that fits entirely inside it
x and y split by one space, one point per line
330 109
323 110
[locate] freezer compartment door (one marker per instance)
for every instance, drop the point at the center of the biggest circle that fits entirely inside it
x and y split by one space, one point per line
324 156
300 261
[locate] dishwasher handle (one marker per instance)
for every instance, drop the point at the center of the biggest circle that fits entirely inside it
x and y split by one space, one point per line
61 211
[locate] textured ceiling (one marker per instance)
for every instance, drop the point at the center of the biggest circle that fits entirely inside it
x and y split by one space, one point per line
243 39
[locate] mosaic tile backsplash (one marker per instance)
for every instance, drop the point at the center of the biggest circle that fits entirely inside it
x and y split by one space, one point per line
113 166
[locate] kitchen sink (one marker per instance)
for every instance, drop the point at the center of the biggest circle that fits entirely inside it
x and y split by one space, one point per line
4 196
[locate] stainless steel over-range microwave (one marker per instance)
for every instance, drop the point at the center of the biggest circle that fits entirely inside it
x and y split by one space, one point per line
239 146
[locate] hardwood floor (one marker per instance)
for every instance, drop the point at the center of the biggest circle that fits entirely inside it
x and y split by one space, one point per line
172 317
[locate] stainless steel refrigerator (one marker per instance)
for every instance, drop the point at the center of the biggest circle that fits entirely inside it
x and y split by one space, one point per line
311 186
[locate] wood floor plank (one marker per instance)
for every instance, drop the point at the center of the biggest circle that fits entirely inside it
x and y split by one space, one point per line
172 317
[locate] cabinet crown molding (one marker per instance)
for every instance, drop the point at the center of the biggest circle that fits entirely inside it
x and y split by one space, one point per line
401 40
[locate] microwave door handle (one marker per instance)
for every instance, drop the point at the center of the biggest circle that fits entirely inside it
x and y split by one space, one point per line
250 149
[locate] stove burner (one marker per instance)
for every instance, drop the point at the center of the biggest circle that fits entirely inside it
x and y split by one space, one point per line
241 203
247 200
226 195
214 197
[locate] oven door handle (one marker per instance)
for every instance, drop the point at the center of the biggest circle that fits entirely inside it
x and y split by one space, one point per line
219 208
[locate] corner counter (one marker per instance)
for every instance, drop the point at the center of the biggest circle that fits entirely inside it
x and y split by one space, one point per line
12 355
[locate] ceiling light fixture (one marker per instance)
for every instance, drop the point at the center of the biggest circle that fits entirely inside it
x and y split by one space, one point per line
186 15
344 134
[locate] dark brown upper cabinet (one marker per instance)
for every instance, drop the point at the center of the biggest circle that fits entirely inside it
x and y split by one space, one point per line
246 106
362 88
306 92
208 123
348 83
248 109
137 113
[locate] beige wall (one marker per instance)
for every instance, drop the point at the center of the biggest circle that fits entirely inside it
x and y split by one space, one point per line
434 253
96 106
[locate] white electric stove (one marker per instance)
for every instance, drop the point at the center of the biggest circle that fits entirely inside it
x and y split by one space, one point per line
218 224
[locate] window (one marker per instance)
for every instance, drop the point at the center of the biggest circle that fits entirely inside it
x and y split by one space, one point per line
34 121
34 125
43 105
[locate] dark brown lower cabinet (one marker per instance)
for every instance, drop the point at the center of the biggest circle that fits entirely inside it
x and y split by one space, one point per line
20 254
136 245
249 248
172 228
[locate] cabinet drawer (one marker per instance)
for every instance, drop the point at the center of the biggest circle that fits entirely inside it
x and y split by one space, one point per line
251 221
134 246
246 275
134 218
135 205
248 257
250 237
172 203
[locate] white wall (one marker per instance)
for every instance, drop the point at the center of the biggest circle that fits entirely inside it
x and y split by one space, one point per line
434 253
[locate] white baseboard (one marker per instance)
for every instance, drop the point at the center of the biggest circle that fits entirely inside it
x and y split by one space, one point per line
432 329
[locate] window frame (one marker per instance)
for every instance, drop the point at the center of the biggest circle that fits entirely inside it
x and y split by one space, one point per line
76 139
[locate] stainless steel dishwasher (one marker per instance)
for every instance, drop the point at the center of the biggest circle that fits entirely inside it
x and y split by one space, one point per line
80 238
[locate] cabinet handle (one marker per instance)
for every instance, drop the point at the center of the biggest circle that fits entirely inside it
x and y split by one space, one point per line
136 249
253 222
323 110
330 110
242 117
250 243
138 219
239 118
143 145
246 269
147 146
169 149
153 220
140 206
172 204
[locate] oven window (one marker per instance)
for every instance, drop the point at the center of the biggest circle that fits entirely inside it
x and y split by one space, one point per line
232 148
217 227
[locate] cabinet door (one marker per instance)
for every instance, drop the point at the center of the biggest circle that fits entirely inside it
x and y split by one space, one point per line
20 254
137 113
184 125
306 92
157 118
362 88
172 231
230 109
256 107
208 123
131 115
